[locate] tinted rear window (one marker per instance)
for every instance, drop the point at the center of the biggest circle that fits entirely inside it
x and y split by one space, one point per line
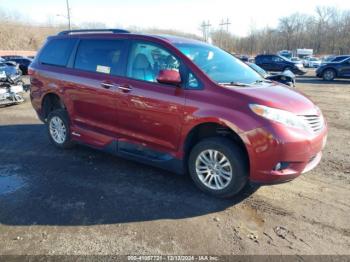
263 59
102 56
57 52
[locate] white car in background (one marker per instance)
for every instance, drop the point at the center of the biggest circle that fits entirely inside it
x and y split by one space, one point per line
296 60
313 62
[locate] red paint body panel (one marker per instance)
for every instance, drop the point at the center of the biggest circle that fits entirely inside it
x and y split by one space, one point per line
152 114
160 117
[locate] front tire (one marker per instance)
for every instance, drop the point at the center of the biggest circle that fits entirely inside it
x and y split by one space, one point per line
218 167
328 75
59 129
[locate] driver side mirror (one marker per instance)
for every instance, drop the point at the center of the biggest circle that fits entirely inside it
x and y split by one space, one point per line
167 76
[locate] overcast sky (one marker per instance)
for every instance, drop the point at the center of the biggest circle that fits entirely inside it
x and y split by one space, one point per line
184 15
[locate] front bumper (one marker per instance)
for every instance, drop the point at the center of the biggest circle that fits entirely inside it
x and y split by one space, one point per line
298 153
319 71
299 71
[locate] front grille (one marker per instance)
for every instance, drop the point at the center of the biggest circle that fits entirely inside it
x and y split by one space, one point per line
314 122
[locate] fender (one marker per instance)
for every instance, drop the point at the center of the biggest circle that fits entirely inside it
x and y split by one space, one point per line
228 118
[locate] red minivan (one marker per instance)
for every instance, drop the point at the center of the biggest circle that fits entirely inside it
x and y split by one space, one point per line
175 103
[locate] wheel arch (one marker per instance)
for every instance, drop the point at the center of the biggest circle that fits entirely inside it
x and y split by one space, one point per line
50 101
208 129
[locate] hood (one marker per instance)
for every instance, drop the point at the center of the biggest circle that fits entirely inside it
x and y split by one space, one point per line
278 96
333 63
323 65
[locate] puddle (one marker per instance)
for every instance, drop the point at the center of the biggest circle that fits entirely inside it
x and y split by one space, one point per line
10 181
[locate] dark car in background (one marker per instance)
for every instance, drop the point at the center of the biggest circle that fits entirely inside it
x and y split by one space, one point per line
277 63
10 57
330 70
23 62
286 77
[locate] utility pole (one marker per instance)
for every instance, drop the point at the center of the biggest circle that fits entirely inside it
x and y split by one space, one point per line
68 15
205 30
225 23
222 24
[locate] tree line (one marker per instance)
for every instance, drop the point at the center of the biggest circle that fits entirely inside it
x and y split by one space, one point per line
18 34
326 32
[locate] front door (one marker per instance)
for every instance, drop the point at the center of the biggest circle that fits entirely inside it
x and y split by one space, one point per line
150 114
344 69
278 64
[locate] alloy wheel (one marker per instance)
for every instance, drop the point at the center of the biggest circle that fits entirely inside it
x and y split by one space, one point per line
213 169
58 130
328 75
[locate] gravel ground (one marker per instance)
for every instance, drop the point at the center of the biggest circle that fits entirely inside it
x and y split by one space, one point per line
82 201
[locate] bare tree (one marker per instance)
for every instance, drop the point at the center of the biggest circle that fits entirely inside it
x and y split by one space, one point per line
327 32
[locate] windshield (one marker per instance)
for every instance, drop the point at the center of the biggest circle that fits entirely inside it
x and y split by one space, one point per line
258 69
219 65
339 59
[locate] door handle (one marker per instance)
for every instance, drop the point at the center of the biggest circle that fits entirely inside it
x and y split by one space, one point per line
124 88
107 85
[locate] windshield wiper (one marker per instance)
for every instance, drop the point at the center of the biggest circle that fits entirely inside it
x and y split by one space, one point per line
233 84
262 81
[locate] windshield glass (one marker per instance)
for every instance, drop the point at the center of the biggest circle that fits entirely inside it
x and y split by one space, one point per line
258 69
219 65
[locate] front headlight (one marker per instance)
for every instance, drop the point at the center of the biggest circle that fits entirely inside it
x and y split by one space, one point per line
281 116
299 65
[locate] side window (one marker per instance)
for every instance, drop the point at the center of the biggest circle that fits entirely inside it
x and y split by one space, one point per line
57 52
265 59
146 60
193 82
276 59
102 56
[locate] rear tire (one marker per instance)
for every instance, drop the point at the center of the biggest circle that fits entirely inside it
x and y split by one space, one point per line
58 128
218 166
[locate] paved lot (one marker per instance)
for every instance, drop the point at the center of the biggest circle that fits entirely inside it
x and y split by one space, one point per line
82 201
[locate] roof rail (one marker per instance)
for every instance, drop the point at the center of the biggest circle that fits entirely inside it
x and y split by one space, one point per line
113 31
